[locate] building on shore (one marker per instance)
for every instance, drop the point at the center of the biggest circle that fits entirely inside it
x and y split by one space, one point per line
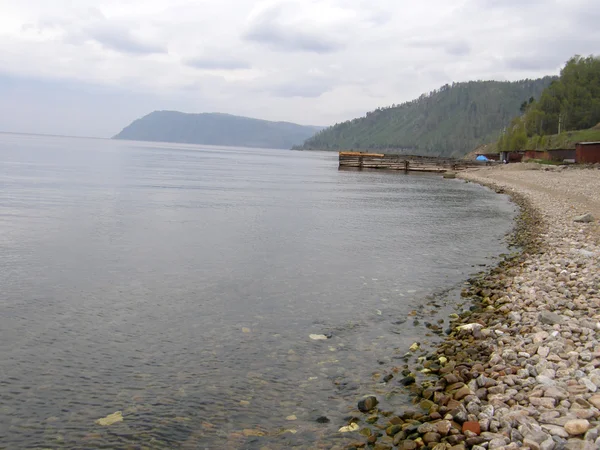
587 152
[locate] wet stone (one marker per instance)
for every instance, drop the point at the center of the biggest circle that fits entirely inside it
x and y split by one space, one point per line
367 404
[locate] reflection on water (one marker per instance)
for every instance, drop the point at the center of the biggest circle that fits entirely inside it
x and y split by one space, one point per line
180 284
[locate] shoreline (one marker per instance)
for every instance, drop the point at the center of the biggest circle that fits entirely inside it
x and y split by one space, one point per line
522 369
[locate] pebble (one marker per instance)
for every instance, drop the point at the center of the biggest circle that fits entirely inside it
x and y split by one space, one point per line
522 367
576 427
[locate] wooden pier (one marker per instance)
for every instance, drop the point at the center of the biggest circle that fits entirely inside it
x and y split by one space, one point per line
362 160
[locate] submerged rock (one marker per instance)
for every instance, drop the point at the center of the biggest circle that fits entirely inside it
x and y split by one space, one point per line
318 337
110 419
367 404
349 428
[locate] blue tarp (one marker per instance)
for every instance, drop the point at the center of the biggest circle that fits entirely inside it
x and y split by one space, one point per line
481 158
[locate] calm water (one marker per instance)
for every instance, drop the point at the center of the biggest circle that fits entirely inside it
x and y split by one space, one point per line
180 284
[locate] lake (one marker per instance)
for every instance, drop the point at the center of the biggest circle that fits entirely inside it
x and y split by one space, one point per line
180 284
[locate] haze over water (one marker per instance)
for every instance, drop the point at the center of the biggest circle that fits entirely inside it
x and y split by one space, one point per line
179 284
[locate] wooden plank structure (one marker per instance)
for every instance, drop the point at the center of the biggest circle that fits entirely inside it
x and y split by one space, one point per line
363 160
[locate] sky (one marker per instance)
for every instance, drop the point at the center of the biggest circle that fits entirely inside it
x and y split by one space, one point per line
90 67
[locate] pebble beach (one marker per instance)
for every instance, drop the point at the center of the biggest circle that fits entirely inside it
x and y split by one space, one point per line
521 369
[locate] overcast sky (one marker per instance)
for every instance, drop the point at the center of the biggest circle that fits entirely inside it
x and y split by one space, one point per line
89 67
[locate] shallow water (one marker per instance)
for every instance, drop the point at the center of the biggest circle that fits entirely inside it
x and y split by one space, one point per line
179 284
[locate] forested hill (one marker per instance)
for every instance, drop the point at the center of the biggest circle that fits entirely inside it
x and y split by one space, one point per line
216 129
450 121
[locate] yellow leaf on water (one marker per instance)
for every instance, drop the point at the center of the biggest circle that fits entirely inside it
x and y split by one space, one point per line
245 330
110 419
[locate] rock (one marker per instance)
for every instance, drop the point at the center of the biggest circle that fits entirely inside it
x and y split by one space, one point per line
431 437
556 393
589 385
585 218
462 393
382 446
414 347
531 444
550 318
545 402
249 432
443 427
548 444
322 419
473 427
556 430
110 419
577 444
577 427
291 417
393 430
407 445
407 381
318 337
460 414
367 404
543 351
349 428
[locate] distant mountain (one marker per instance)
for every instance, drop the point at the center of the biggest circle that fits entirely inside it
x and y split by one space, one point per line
450 121
216 129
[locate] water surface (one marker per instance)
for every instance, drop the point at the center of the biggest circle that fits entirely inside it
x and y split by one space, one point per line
179 284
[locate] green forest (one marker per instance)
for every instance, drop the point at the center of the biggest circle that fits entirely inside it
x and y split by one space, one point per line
570 103
449 121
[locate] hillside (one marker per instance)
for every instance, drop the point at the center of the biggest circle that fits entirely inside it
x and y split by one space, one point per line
449 121
567 111
215 129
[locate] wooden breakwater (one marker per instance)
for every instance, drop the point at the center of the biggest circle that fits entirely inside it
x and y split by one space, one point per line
362 160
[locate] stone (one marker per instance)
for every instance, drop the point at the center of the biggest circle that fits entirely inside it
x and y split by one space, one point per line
110 419
407 381
460 414
407 445
543 351
531 444
443 427
577 427
589 385
431 437
545 402
393 430
462 393
471 426
322 419
585 218
349 428
556 430
556 393
367 404
314 337
578 444
548 444
550 318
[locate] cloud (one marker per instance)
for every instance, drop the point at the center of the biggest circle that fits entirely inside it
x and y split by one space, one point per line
121 40
534 62
452 46
208 63
306 89
305 61
288 26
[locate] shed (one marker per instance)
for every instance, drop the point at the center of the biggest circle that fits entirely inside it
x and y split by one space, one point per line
587 152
